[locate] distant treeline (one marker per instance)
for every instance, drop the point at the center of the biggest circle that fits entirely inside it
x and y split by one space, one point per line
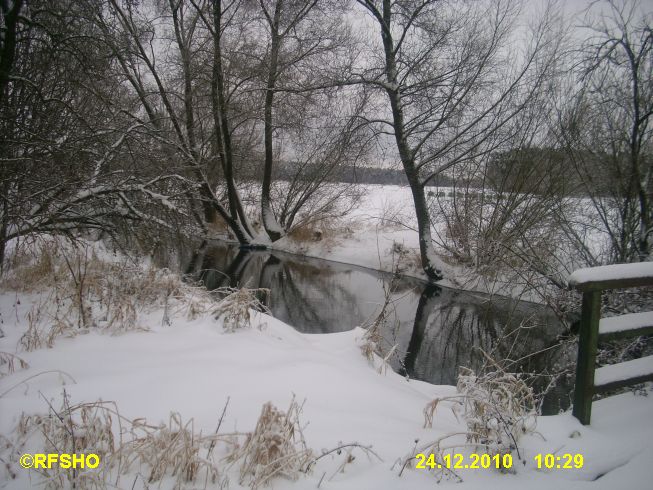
542 171
364 175
385 176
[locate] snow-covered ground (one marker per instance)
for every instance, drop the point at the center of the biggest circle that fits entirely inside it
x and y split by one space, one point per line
384 215
382 227
193 366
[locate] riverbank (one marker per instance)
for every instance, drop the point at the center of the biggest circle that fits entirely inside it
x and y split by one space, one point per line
381 233
163 349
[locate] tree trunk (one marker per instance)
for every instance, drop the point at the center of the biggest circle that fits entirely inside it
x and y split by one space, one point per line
223 132
3 235
8 48
189 115
270 223
427 253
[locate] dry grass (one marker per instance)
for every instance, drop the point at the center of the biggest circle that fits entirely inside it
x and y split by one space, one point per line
8 363
305 233
373 342
235 307
43 329
155 453
327 232
78 429
498 407
32 266
275 448
82 290
168 450
174 452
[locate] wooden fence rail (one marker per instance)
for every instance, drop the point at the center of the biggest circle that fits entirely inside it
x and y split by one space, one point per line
592 282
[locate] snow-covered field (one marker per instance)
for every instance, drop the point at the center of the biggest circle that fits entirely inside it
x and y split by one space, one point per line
187 363
385 215
381 232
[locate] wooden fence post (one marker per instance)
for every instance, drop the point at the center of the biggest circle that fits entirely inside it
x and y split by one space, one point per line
587 346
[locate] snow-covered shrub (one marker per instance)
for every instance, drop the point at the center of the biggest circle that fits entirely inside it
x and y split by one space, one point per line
79 429
275 448
234 309
373 342
83 287
168 450
498 409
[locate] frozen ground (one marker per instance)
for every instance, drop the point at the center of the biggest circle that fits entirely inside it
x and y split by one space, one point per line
193 366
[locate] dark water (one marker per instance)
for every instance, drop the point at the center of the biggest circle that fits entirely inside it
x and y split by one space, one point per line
436 329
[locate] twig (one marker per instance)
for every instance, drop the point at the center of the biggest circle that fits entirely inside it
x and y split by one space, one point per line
217 429
58 416
366 450
34 376
320 482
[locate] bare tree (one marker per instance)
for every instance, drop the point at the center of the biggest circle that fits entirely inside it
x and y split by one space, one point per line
174 110
606 126
67 152
453 85
282 19
326 137
304 39
205 98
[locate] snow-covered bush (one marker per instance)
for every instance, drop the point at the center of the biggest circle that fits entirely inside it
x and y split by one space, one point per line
275 448
498 409
234 309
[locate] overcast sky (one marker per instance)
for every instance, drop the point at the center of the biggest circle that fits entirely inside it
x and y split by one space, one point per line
578 8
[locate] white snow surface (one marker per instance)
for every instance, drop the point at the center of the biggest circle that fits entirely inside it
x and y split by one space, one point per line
611 273
270 221
625 322
192 367
624 370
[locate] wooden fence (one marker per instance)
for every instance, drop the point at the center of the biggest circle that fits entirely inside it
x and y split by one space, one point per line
592 282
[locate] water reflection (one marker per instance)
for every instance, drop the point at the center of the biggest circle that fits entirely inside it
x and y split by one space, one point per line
436 329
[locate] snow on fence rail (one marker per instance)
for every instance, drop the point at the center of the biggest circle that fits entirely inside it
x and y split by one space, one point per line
612 276
632 325
591 282
616 375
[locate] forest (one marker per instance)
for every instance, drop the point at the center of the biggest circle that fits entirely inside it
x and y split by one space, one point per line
238 116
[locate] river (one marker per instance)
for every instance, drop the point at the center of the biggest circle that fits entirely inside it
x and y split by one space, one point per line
435 329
